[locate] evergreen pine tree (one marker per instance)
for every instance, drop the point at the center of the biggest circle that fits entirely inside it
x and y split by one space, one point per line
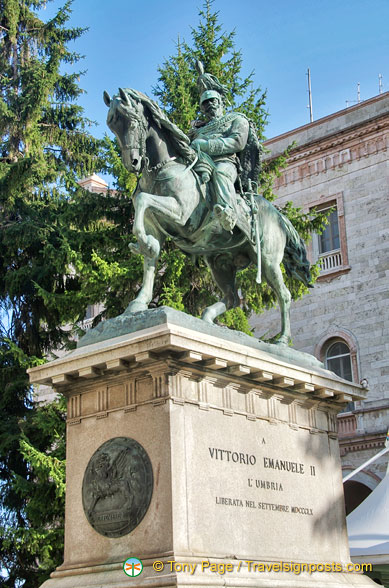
49 228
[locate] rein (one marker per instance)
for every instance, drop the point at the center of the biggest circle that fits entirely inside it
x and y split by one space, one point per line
156 168
186 170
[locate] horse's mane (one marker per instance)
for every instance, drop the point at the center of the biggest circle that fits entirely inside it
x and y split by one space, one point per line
180 141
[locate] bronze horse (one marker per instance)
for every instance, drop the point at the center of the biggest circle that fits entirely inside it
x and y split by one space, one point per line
170 201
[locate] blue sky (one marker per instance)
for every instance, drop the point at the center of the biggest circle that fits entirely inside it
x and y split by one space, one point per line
342 42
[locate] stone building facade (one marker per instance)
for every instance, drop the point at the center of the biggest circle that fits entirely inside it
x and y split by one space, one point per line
341 162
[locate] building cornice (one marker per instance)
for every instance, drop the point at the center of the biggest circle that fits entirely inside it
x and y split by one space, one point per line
362 442
354 134
336 151
349 118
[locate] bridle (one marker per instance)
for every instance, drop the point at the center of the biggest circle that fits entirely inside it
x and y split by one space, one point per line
138 124
124 106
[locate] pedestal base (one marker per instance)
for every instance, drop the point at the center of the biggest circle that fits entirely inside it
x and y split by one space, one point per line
194 576
244 456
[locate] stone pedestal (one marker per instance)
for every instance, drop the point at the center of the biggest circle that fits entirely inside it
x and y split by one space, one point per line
244 456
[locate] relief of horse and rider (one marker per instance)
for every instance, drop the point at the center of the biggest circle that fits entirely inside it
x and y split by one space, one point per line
200 190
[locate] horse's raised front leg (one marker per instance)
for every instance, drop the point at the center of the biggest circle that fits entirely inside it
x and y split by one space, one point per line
223 272
274 278
168 206
149 243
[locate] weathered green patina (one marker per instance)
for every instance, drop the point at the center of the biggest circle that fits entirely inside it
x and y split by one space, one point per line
117 487
117 329
200 195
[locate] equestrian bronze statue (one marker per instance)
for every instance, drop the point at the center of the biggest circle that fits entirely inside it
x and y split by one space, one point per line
198 191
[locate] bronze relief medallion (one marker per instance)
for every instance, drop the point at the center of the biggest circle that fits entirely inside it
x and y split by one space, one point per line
117 487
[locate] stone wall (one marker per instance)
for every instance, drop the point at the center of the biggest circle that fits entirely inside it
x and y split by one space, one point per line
343 160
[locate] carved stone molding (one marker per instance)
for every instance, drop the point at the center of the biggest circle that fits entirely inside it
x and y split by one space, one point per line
180 369
335 152
361 443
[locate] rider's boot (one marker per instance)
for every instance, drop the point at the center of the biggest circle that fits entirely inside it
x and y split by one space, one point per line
226 216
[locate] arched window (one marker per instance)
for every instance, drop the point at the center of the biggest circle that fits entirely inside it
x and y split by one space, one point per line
338 360
338 350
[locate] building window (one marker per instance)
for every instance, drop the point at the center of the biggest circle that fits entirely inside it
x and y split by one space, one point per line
338 360
330 248
90 312
329 239
338 350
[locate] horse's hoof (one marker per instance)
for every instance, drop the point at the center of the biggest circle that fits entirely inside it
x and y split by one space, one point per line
135 306
207 320
208 317
284 340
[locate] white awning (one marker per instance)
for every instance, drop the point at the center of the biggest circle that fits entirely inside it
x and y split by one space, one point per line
368 526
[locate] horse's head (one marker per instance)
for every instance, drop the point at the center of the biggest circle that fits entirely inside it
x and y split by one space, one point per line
127 121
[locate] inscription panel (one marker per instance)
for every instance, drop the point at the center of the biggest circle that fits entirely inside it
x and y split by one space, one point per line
261 485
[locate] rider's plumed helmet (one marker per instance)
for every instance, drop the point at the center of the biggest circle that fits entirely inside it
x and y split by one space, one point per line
209 94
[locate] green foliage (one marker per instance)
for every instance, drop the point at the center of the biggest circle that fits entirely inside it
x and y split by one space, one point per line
61 249
172 296
236 319
49 226
305 224
45 148
32 474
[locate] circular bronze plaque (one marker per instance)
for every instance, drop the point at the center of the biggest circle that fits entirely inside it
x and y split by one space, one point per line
117 487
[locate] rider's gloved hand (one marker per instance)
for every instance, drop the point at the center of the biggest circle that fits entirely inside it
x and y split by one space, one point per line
201 144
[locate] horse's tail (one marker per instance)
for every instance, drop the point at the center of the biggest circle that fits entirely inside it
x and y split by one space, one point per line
295 255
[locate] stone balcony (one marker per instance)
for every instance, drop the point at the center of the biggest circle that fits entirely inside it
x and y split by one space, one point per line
331 260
